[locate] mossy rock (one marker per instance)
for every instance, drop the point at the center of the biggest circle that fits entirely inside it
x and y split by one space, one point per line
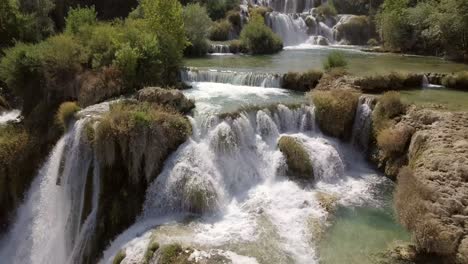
335 111
174 254
119 257
172 98
302 82
297 158
153 246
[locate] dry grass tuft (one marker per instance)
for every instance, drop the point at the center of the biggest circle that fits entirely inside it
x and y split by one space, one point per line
66 113
297 158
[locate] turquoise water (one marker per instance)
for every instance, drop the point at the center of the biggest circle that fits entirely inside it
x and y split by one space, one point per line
360 63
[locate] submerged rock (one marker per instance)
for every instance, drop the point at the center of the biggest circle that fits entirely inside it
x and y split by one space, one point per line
297 158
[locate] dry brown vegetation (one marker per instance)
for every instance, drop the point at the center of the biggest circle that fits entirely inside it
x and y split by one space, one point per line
388 107
335 111
393 141
97 86
457 80
66 113
168 97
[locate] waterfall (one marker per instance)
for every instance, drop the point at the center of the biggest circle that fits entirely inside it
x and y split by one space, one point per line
291 28
219 49
363 122
231 77
425 82
53 224
284 6
9 116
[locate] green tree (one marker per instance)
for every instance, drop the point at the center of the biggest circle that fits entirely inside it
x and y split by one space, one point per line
165 18
39 25
393 24
12 23
79 17
197 25
258 38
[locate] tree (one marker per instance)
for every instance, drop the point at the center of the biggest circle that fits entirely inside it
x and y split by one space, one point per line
393 24
39 25
165 18
197 27
258 38
78 17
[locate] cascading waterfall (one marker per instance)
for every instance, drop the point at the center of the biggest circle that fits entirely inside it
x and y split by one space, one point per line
54 223
291 28
219 49
363 122
232 173
284 6
231 77
9 116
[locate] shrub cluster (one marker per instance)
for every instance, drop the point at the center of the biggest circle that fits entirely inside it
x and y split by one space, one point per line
302 82
457 80
220 30
197 25
66 113
388 107
393 141
389 82
258 38
335 111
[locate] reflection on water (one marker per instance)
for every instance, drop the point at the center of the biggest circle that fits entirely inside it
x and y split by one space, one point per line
447 99
360 63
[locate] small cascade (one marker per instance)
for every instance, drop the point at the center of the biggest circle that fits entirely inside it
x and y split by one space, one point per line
284 6
220 49
425 82
363 122
59 214
290 27
231 77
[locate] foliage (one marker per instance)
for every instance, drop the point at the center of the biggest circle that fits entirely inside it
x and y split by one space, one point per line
217 9
219 30
13 23
39 25
79 17
389 82
393 141
335 59
197 24
257 38
326 10
335 111
119 257
297 158
388 107
165 19
393 24
66 113
303 82
457 80
172 254
171 98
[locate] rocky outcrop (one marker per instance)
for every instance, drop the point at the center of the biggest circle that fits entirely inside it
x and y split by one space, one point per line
352 30
167 97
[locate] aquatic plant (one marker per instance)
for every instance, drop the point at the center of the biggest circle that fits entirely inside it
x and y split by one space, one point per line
335 59
153 246
119 257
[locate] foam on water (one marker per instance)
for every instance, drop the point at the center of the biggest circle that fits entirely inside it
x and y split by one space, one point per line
9 116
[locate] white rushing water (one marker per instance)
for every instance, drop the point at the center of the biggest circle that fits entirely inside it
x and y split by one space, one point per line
9 116
232 174
232 77
51 226
363 122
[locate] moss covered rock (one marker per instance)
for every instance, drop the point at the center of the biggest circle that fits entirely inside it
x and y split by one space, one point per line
352 30
132 142
393 81
174 254
167 97
297 158
335 111
119 257
302 82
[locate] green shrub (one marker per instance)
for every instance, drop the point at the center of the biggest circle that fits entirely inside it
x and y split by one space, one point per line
297 158
257 38
218 8
171 98
335 111
301 81
335 59
259 10
389 106
219 31
80 17
235 46
389 82
126 60
457 80
234 17
326 10
172 254
119 257
66 113
197 25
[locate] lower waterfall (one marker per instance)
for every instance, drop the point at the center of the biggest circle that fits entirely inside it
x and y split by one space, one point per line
232 175
53 224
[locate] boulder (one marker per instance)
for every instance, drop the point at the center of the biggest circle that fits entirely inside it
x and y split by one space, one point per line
297 158
352 30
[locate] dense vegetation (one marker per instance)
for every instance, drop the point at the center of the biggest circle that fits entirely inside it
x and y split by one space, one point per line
257 38
427 27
